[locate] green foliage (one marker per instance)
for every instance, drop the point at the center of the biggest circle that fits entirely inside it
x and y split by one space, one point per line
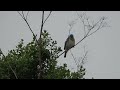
23 60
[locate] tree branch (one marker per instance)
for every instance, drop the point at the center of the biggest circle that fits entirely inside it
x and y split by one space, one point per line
82 22
28 26
97 29
88 32
84 56
40 64
61 54
13 71
20 14
73 57
27 15
23 14
47 17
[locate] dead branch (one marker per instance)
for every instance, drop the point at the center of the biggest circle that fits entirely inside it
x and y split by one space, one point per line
22 15
47 17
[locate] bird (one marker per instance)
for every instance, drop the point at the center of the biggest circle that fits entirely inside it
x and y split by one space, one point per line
69 43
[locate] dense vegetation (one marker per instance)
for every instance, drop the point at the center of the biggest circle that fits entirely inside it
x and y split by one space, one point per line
22 62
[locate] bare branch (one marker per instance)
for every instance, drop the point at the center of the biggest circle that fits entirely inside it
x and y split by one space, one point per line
88 21
73 57
27 15
40 64
20 14
84 57
88 32
61 54
23 14
42 24
28 26
82 60
31 31
97 29
82 22
13 71
47 17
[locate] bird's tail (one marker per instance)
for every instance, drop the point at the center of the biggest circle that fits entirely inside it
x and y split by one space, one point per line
65 54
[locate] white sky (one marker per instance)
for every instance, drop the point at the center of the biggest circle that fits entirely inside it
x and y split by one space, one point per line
103 59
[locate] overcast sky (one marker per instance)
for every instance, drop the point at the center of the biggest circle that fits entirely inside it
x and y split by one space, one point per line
103 47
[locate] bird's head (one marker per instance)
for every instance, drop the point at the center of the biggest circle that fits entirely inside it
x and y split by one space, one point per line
71 36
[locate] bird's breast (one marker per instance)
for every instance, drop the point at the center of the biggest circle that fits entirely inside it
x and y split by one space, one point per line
70 44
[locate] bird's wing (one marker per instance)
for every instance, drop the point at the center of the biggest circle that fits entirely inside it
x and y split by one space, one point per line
73 39
66 43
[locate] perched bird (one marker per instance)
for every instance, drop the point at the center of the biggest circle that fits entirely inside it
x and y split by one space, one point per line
69 43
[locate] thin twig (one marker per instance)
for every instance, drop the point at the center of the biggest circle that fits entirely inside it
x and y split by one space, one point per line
82 61
47 17
73 57
27 15
82 22
20 14
84 56
13 71
31 31
97 29
88 22
23 14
